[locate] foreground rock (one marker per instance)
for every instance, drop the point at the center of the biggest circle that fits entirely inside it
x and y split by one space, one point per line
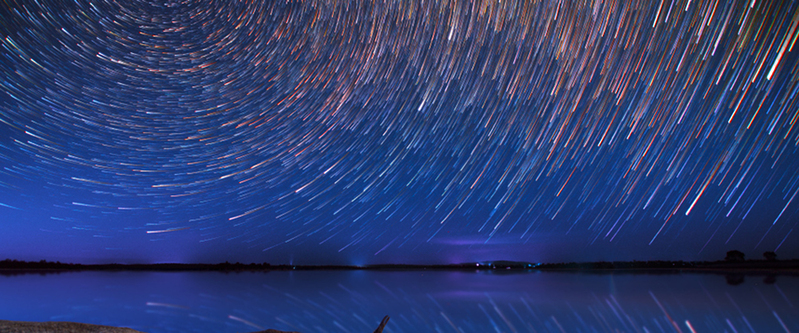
8 326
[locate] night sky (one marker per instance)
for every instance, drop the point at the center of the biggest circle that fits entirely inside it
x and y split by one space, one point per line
339 132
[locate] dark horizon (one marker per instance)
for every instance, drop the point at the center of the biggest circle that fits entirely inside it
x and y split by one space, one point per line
732 257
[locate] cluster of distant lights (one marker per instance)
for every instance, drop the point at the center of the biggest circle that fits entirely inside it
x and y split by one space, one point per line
492 265
381 126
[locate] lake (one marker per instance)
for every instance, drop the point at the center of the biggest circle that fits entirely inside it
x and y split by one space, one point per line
416 301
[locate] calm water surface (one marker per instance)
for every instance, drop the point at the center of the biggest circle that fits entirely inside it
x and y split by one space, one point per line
417 301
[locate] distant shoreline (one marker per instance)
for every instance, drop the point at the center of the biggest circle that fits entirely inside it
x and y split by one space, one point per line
753 266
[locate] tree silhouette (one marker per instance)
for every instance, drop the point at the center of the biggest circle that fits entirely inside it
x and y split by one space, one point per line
770 255
734 255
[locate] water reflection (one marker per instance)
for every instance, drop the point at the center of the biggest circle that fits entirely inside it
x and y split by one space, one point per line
419 301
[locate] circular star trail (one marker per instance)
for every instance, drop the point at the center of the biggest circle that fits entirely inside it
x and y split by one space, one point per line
383 127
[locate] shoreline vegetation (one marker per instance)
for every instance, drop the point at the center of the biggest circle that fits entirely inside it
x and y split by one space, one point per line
9 266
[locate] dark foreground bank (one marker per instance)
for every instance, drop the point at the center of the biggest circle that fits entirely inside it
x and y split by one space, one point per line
7 326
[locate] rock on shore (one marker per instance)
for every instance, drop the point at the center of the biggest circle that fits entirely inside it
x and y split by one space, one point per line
7 326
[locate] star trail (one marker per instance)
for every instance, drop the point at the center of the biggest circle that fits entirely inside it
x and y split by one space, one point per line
398 131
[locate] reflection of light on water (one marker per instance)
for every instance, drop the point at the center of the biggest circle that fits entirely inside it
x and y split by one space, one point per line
417 301
166 230
249 323
167 305
781 322
688 323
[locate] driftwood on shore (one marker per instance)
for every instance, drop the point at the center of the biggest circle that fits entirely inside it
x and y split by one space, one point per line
8 326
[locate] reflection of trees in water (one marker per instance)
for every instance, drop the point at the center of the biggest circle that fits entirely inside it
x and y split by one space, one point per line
734 279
